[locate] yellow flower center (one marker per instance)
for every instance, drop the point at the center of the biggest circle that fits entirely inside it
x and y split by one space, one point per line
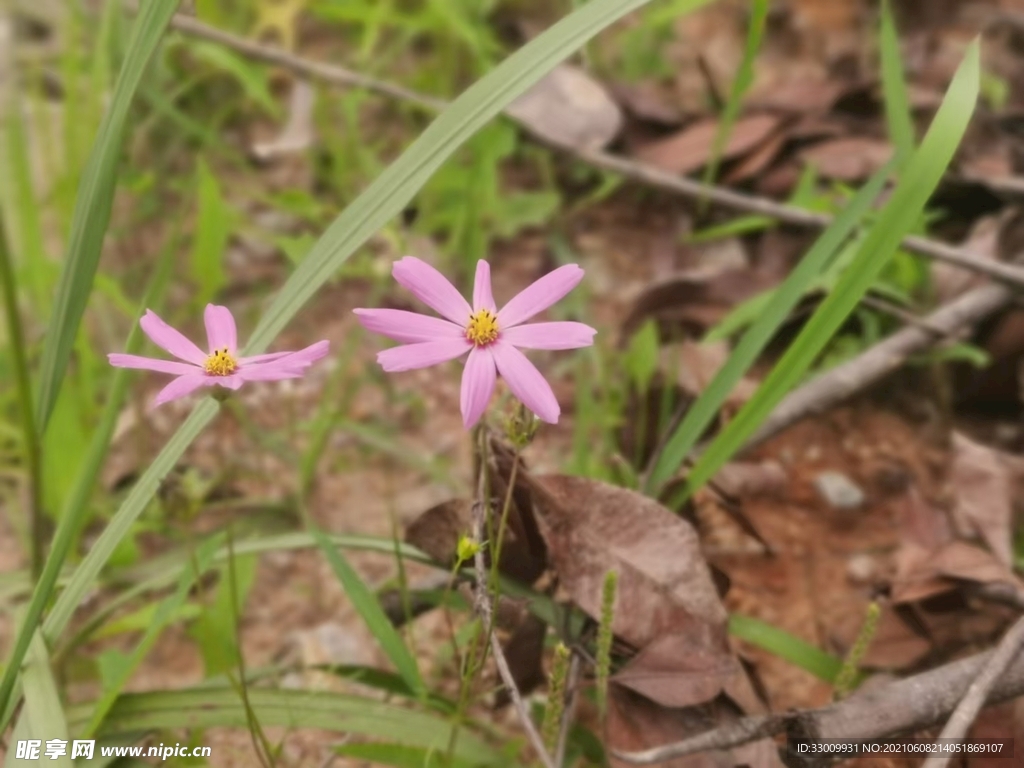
220 363
482 328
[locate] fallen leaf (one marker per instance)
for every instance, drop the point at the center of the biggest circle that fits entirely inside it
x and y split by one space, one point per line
297 134
752 478
800 96
437 531
923 573
636 723
921 524
665 586
568 107
649 101
691 148
951 281
699 363
848 159
757 161
982 479
524 651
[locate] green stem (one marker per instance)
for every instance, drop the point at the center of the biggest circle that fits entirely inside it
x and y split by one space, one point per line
33 452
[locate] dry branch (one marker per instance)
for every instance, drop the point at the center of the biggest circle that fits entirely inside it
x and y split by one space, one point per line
900 707
641 172
973 701
840 383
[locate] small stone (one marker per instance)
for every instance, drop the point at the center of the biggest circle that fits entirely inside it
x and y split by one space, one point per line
839 491
861 568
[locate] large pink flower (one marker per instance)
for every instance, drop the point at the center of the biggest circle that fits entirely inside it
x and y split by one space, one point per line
220 366
491 337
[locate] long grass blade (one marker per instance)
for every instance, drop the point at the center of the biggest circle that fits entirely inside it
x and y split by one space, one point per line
894 87
92 208
920 178
769 319
44 717
372 614
740 85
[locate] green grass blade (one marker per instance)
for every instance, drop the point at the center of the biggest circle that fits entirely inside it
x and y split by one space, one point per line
120 665
370 610
399 756
211 707
770 316
383 199
786 646
43 717
72 516
921 175
740 85
92 208
894 87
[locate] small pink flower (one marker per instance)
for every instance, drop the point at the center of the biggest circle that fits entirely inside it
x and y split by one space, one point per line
220 366
491 337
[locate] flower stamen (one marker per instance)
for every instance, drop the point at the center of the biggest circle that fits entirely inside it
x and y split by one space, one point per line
482 328
220 363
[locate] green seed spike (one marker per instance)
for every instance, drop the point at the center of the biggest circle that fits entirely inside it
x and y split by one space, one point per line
556 697
604 640
847 680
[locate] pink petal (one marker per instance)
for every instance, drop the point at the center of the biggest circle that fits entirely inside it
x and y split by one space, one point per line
477 384
482 296
220 328
234 381
408 327
268 373
559 335
432 288
268 357
171 340
539 296
304 357
180 387
525 381
422 355
152 364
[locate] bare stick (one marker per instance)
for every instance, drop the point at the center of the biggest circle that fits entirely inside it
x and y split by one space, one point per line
641 172
973 701
839 383
903 706
486 612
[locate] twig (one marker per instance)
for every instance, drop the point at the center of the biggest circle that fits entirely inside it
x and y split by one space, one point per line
486 612
641 172
839 383
973 701
903 706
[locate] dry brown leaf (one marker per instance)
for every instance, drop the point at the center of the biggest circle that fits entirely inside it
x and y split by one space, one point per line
752 478
699 363
437 530
649 101
921 524
524 651
691 148
570 108
922 573
665 586
982 478
801 96
635 723
848 159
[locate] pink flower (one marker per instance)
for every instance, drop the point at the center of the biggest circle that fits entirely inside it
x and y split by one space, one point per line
221 366
491 337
